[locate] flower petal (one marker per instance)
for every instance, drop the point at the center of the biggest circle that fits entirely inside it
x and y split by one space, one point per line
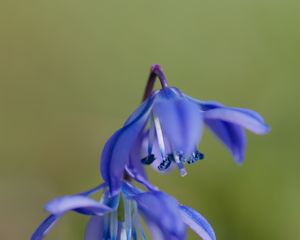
180 119
134 164
242 117
162 211
231 135
45 226
140 179
198 223
78 203
94 228
116 151
49 222
93 190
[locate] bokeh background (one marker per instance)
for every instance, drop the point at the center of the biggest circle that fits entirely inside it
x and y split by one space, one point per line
72 71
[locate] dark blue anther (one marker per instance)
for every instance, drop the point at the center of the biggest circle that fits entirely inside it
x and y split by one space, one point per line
166 163
196 156
148 160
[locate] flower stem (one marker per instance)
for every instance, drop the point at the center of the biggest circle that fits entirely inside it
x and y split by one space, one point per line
155 71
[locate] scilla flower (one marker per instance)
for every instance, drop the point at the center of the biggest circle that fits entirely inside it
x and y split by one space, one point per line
118 217
165 130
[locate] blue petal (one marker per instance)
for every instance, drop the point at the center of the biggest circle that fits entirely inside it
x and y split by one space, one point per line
231 135
134 164
140 179
198 223
161 211
93 190
45 226
94 228
116 151
78 203
48 223
180 119
129 190
242 117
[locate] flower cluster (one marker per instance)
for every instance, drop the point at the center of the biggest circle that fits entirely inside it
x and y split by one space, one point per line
164 132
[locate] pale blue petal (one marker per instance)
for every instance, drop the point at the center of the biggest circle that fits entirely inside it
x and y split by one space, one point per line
231 135
94 228
140 179
129 190
198 223
162 210
116 151
78 203
134 164
93 190
49 222
180 119
242 117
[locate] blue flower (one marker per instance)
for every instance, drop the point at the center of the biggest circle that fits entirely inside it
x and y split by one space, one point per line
118 217
165 130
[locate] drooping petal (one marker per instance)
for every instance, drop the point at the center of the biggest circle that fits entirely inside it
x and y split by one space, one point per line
162 211
242 117
134 164
49 222
129 190
94 228
198 223
77 203
140 179
180 119
116 151
93 190
231 135
44 228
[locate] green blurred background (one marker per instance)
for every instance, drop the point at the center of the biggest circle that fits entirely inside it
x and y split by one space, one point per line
72 71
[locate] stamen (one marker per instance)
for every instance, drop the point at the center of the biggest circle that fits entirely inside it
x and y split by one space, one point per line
196 156
106 229
160 137
138 222
166 163
148 160
128 219
114 225
151 136
180 165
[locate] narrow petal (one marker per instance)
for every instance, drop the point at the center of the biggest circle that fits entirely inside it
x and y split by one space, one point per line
45 226
94 228
93 190
134 164
198 223
140 179
78 203
49 222
231 135
180 118
162 211
242 117
116 151
129 190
